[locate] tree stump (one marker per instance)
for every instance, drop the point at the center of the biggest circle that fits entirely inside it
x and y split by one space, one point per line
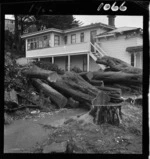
104 111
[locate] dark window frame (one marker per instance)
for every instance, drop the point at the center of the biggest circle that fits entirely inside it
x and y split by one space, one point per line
65 39
39 42
56 41
132 60
82 37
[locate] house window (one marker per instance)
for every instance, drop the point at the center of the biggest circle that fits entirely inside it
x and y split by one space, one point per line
45 41
132 59
38 42
56 40
32 44
65 39
28 44
85 63
73 39
82 37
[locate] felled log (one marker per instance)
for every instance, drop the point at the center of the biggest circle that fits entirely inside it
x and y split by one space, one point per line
36 72
86 75
122 87
104 111
115 64
118 77
138 101
113 92
72 103
54 95
73 85
70 85
11 99
22 107
23 95
97 83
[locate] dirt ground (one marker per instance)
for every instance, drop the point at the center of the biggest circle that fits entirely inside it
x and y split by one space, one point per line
87 137
82 134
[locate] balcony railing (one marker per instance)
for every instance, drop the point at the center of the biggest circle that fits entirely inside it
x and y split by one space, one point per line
60 50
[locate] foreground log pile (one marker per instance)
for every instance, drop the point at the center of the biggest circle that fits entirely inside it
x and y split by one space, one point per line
119 74
90 90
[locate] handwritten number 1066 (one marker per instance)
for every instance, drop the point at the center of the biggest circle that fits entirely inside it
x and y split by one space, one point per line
114 7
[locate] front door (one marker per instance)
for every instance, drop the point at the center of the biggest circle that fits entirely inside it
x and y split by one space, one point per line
92 38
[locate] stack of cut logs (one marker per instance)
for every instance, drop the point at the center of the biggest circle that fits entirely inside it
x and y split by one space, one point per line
87 89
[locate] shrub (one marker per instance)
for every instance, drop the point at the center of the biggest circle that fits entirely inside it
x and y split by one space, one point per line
13 76
76 69
49 66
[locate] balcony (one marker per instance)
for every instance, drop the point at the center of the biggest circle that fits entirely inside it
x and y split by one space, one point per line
77 48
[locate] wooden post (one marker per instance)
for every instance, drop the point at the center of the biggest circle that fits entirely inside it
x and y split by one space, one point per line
26 48
88 62
68 62
52 60
134 59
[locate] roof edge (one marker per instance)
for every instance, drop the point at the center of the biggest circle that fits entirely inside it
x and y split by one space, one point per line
67 30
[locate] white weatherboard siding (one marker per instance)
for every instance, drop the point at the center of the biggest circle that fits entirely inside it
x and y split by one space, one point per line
139 60
59 50
139 41
52 39
116 47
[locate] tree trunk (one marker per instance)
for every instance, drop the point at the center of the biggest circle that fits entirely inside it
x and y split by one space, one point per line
113 92
36 72
70 84
16 32
72 103
86 75
55 96
73 85
97 83
11 99
118 77
104 110
122 87
115 64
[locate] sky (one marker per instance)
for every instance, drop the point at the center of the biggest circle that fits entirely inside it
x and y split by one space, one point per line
120 21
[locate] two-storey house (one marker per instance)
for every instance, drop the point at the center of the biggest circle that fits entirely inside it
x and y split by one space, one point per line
80 46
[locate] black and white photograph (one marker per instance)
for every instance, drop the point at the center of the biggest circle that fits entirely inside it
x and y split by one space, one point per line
73 83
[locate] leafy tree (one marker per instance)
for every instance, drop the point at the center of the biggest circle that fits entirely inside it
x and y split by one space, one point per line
21 23
56 21
9 40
